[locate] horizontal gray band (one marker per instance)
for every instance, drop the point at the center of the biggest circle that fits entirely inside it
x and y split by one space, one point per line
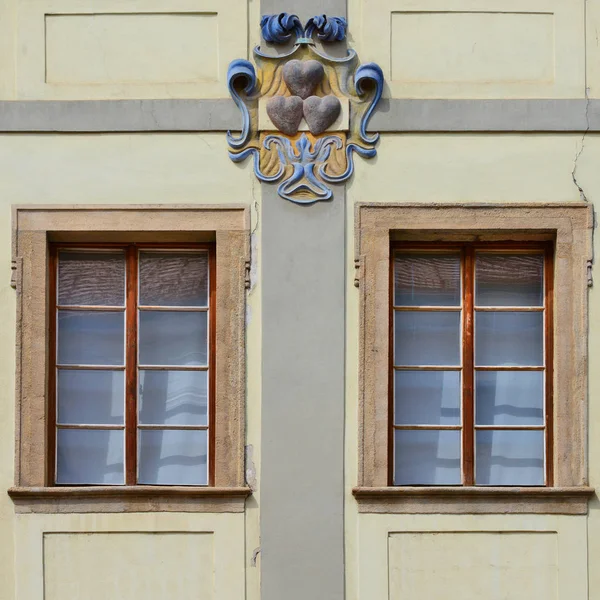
119 115
104 116
486 115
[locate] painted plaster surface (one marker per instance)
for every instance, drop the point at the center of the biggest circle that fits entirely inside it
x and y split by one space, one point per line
186 168
124 169
470 49
302 402
309 509
454 169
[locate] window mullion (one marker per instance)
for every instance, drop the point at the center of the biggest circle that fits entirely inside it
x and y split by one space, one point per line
212 344
131 367
468 371
549 362
52 400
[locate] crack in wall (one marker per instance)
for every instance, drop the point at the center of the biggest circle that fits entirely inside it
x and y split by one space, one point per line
253 240
582 194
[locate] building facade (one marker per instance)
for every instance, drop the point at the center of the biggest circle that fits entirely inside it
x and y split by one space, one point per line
299 299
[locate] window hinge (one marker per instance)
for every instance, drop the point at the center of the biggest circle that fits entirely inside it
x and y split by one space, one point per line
247 274
16 268
590 277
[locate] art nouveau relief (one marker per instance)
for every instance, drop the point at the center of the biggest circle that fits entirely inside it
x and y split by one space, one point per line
304 113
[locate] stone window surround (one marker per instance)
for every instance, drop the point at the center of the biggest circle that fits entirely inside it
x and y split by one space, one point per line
570 225
33 228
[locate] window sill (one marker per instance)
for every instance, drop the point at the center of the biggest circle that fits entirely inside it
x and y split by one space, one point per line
110 499
473 500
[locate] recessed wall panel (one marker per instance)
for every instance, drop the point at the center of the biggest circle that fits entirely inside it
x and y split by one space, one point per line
472 47
132 48
108 49
473 565
135 566
476 48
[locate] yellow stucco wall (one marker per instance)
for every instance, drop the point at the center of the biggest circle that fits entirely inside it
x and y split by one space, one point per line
122 169
471 168
191 168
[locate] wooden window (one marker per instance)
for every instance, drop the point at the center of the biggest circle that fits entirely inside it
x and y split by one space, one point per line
471 364
132 386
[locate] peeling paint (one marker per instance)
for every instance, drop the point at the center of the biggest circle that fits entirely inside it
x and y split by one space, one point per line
250 467
254 556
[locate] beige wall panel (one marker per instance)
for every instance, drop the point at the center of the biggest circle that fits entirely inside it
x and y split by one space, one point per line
472 48
491 565
135 556
119 49
475 48
112 169
8 10
473 168
121 169
96 566
471 557
146 49
592 22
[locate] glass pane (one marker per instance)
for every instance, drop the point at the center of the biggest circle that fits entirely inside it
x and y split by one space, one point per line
427 457
173 457
427 338
509 457
91 397
509 397
173 338
91 278
88 456
173 397
174 279
427 397
427 279
509 279
91 338
509 339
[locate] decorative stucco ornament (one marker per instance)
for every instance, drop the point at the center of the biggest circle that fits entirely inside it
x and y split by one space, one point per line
304 113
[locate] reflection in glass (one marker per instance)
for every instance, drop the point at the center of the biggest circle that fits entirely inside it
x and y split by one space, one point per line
173 338
173 397
509 279
89 456
174 278
173 457
426 279
508 457
427 397
509 339
509 397
91 278
426 338
426 457
91 338
90 397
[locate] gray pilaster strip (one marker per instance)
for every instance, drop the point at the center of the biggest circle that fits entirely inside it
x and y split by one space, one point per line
105 116
305 9
119 115
302 474
486 115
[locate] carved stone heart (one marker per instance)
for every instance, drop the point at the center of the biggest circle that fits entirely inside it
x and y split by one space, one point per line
303 77
286 113
321 113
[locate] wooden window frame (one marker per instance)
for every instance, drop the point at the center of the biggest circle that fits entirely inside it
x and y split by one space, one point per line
131 426
569 227
468 427
35 228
